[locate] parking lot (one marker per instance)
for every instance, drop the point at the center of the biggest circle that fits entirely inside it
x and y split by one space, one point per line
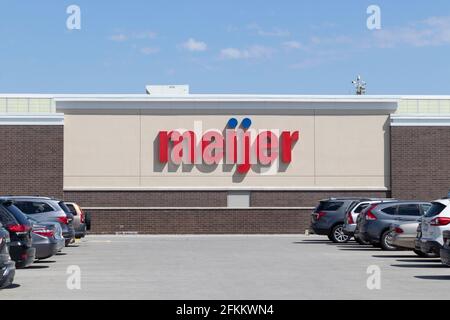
229 267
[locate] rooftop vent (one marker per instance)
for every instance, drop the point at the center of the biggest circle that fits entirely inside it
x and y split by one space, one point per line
168 90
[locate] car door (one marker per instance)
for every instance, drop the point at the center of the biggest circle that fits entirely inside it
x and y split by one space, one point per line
409 212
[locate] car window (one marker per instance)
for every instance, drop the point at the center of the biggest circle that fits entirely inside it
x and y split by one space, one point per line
6 218
436 208
425 207
64 206
329 206
390 210
71 208
409 210
17 214
33 207
361 207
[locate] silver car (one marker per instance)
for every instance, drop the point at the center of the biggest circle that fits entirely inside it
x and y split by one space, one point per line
404 237
42 209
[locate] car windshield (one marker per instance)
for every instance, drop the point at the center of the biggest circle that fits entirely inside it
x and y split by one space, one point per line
436 208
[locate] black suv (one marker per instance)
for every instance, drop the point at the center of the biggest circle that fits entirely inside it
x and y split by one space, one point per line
19 229
7 266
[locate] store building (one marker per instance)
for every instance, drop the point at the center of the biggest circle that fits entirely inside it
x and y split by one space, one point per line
178 163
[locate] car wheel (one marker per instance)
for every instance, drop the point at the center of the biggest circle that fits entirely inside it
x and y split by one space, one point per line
386 241
362 242
425 255
337 234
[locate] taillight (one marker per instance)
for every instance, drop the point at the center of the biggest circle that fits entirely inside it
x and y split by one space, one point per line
370 215
440 222
81 216
320 215
398 230
44 232
63 220
350 218
18 228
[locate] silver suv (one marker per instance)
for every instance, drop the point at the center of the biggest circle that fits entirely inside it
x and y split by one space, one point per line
44 209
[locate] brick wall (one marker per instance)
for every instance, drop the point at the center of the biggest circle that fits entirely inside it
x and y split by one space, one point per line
305 198
420 162
217 221
203 221
31 160
148 198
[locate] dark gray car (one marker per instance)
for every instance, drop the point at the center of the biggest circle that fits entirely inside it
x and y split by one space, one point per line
376 220
47 239
328 218
44 209
7 266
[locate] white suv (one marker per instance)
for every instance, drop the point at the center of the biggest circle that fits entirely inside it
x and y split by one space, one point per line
434 223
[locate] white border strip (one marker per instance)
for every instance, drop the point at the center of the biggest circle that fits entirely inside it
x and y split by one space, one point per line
31 119
420 121
91 189
198 208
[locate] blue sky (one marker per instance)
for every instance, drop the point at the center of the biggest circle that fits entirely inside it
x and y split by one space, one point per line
285 47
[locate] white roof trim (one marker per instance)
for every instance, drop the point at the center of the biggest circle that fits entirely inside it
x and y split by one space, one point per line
420 121
31 119
226 189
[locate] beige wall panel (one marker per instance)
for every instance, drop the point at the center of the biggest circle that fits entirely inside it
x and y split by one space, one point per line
352 146
117 150
103 182
101 145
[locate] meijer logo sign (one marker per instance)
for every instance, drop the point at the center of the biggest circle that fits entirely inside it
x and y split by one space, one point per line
235 145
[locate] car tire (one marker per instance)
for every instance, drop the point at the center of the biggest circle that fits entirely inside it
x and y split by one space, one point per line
337 234
384 241
425 255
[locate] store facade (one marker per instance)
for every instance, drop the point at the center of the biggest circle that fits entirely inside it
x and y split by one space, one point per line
190 164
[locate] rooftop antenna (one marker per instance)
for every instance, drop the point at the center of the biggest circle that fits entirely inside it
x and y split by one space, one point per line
360 86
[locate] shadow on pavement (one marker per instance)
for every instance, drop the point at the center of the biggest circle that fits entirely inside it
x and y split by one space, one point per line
433 277
421 261
36 267
352 246
12 286
44 261
360 249
430 266
395 256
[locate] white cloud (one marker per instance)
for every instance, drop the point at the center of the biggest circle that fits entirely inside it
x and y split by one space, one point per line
292 45
194 45
120 37
253 52
149 50
274 32
145 35
434 31
123 36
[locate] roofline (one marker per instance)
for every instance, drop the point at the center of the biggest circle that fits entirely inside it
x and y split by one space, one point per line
224 97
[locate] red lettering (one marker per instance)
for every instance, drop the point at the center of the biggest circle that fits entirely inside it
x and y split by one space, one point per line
288 140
